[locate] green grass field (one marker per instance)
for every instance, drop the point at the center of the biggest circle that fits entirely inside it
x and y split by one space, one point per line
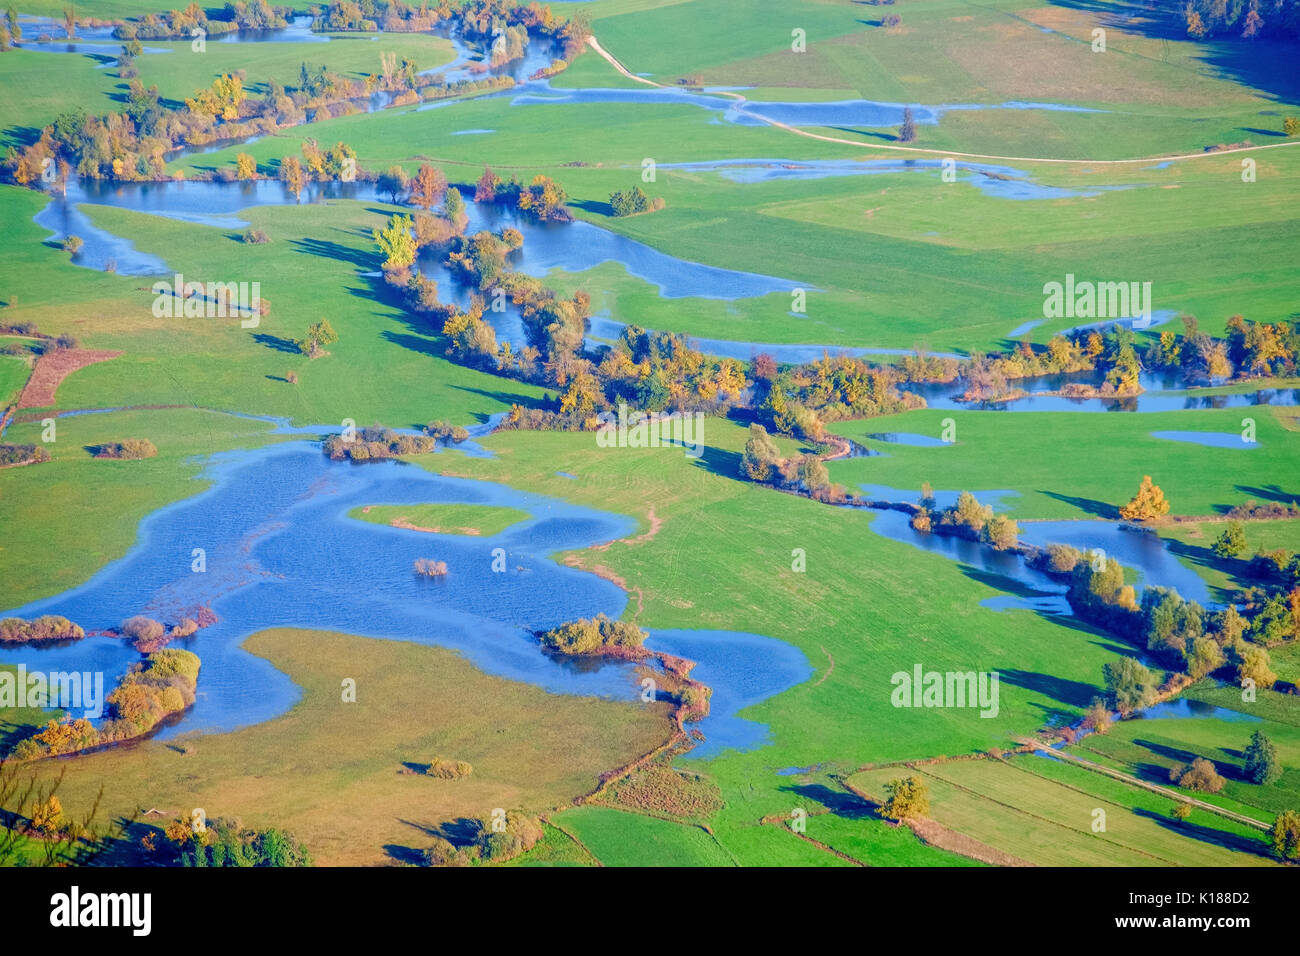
443 519
1045 816
1058 470
617 838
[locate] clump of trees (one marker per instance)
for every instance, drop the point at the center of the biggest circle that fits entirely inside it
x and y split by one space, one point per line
593 636
494 838
47 627
23 454
142 629
127 448
1206 19
762 462
429 568
633 202
150 692
1200 775
225 843
446 432
448 769
1130 685
376 444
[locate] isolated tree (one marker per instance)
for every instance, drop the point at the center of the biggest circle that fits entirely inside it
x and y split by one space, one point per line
47 817
1129 684
812 472
1291 126
291 175
907 132
1231 542
245 167
1001 533
761 455
1286 835
396 242
1148 504
1254 665
1097 719
428 187
393 182
1200 775
1261 760
485 190
907 799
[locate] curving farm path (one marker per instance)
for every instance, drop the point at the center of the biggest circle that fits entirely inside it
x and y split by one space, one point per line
614 62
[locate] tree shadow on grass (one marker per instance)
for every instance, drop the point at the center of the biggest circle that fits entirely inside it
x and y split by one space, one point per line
1269 493
1071 692
505 398
327 249
867 134
1226 770
599 207
1262 64
719 461
842 803
277 343
1092 506
1197 831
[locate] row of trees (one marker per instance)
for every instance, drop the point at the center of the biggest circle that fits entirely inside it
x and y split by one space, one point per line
1247 19
147 694
181 24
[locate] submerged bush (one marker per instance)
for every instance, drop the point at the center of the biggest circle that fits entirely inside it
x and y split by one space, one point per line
127 448
592 636
49 627
429 568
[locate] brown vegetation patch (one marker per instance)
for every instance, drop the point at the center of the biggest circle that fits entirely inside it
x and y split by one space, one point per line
659 789
52 368
937 835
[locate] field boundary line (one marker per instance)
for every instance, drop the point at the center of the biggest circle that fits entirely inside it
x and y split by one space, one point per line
1154 788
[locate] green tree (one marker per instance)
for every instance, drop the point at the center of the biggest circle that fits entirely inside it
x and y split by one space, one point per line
1231 542
396 242
761 455
1261 760
1129 684
1286 835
